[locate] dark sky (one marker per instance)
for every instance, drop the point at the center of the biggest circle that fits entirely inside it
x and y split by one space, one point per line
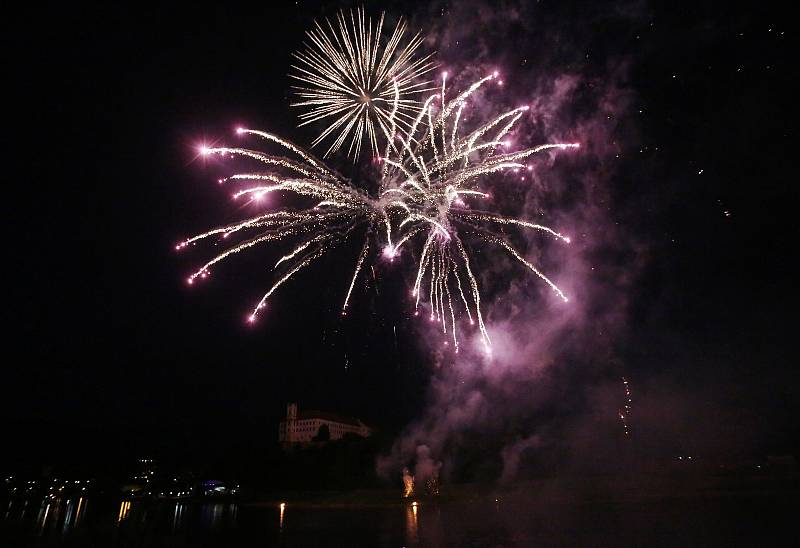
108 350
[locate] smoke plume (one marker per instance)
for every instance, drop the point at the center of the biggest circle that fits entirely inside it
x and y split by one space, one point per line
487 415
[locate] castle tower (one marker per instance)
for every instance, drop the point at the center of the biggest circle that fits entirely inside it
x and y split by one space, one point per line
291 421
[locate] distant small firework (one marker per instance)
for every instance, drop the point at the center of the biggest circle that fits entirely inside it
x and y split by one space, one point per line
339 211
625 412
347 74
430 174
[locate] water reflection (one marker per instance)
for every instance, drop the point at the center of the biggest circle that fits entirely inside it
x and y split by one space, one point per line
56 512
57 516
124 510
177 516
412 525
212 514
15 507
68 517
80 511
234 510
41 519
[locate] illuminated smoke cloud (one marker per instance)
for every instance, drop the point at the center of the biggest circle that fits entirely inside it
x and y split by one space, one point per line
511 455
494 405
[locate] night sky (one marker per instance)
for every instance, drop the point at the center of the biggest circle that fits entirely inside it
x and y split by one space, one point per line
111 355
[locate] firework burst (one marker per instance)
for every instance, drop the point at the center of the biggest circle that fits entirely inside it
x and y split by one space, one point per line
347 75
431 173
338 211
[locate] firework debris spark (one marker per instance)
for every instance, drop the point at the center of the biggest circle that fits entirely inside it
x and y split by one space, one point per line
625 412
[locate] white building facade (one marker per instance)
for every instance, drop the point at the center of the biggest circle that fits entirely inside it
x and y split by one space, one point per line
304 427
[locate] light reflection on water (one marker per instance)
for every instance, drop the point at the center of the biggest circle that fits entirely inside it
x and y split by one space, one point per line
63 515
212 514
412 524
68 517
124 510
177 517
111 522
50 513
41 519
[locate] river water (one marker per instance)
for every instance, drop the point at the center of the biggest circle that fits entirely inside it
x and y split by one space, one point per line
691 521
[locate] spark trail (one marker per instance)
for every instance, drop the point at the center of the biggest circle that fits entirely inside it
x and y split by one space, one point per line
337 211
433 173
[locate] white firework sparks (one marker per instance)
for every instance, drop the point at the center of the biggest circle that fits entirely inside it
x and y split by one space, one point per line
431 171
348 75
339 211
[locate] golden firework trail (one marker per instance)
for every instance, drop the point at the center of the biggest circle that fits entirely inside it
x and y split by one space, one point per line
432 171
348 75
